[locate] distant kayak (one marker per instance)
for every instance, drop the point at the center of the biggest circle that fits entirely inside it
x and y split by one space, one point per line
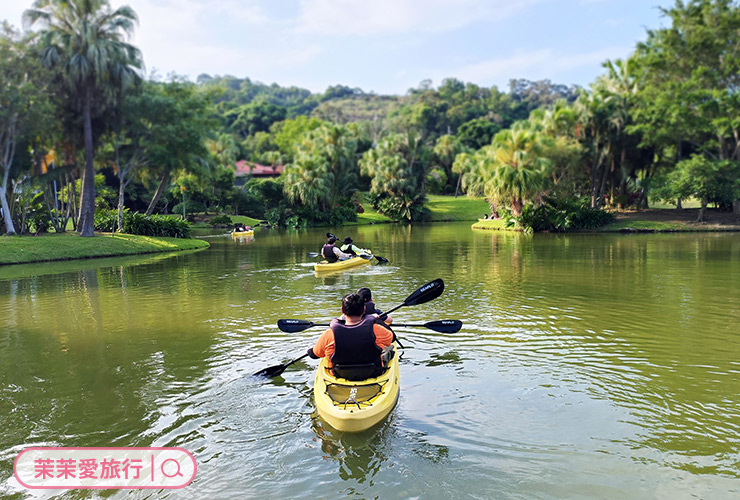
242 234
355 406
340 264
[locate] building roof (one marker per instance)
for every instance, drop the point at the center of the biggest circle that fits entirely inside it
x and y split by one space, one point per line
245 168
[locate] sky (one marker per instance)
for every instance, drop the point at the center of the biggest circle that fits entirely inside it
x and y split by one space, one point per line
385 46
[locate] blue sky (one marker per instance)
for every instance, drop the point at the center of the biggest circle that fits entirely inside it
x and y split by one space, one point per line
386 46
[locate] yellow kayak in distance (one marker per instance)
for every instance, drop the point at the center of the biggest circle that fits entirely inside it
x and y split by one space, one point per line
350 406
340 265
242 234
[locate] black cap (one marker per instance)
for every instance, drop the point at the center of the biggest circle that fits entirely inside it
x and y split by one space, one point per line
348 240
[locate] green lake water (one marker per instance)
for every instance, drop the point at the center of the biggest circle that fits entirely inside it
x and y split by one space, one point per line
588 367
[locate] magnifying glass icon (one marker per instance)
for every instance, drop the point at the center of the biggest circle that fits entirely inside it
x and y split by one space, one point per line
178 473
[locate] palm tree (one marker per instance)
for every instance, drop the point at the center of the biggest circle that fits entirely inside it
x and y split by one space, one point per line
307 181
85 41
511 171
447 148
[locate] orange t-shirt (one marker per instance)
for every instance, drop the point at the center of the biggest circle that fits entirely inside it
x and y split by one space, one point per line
325 345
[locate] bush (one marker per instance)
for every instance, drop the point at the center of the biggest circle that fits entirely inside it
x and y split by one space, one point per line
136 223
402 208
221 220
560 215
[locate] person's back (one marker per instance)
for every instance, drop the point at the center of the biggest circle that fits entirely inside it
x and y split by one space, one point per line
331 253
354 345
370 307
350 248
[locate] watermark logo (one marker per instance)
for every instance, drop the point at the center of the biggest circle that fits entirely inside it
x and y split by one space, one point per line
104 468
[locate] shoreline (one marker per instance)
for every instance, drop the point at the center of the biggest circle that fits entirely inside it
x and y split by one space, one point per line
70 246
660 220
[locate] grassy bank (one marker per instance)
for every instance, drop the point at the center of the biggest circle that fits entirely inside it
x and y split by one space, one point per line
49 247
462 208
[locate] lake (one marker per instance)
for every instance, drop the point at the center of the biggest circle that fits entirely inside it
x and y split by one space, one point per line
589 366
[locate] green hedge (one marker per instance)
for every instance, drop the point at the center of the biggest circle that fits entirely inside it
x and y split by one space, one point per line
145 225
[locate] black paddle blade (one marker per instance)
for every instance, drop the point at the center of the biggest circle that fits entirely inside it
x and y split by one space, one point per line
294 325
445 325
381 260
428 292
272 371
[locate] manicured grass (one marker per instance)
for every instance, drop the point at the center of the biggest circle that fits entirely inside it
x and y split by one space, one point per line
690 203
249 221
370 216
657 226
49 247
462 208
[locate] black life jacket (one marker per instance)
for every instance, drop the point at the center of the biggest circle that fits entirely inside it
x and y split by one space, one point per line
328 252
356 355
348 249
371 309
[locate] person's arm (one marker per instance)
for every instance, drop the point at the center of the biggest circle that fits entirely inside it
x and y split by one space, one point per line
383 336
357 249
319 350
340 254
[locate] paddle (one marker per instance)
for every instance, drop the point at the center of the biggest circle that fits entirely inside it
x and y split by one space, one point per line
442 326
274 371
424 294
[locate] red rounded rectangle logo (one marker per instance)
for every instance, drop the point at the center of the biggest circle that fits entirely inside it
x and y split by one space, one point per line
104 468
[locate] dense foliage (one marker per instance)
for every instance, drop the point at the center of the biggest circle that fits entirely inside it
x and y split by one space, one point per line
144 225
659 124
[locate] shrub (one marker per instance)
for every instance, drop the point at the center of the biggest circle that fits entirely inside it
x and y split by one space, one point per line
221 220
560 215
136 223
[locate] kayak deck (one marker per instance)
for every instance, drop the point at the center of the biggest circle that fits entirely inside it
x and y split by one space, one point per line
354 406
340 265
242 234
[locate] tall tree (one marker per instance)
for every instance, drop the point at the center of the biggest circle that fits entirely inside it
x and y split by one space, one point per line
398 169
23 103
325 168
511 171
85 41
691 73
178 142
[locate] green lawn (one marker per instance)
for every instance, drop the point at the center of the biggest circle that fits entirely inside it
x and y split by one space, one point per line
49 247
646 225
462 208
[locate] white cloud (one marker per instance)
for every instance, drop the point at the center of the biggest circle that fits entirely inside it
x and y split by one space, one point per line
539 64
192 37
379 17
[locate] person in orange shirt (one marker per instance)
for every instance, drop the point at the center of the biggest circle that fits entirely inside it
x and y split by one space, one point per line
357 347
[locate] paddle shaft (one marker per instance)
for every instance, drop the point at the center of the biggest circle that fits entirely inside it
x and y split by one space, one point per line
424 294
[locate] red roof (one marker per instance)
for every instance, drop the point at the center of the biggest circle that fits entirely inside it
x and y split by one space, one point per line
244 168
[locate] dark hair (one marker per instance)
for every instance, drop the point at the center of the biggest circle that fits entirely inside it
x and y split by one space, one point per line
332 240
365 293
353 305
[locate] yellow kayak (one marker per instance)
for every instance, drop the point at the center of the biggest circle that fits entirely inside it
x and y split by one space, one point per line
242 234
355 406
340 265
